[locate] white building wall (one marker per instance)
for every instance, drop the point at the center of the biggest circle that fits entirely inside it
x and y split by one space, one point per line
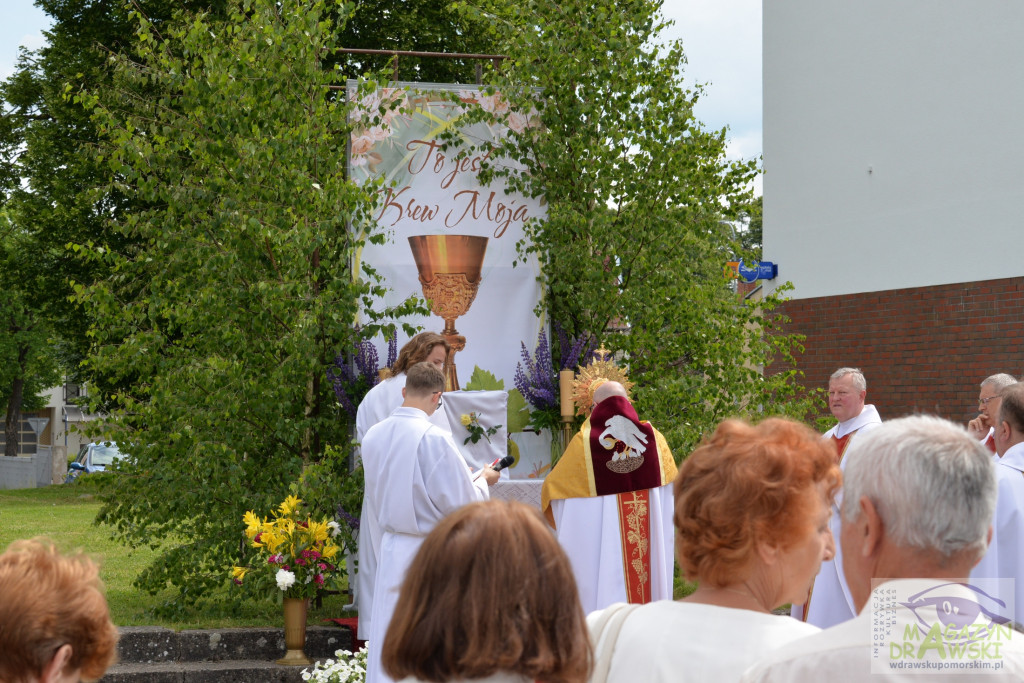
893 142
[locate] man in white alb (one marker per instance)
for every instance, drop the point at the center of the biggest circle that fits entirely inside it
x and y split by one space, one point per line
982 427
1005 556
378 404
415 476
830 602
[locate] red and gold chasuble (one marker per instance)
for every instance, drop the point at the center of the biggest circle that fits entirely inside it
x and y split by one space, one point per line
841 444
615 453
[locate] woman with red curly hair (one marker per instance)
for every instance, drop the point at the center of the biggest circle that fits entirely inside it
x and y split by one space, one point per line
752 508
54 622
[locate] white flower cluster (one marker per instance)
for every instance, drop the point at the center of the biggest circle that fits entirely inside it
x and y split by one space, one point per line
285 579
348 668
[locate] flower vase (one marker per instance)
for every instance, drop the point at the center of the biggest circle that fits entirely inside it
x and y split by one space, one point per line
295 632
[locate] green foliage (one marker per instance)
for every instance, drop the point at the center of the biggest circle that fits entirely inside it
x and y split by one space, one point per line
237 296
64 514
482 380
518 411
53 184
640 200
28 365
331 489
421 25
751 233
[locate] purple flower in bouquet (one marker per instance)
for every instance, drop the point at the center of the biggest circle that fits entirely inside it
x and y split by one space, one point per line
351 520
535 377
367 362
356 376
574 350
392 351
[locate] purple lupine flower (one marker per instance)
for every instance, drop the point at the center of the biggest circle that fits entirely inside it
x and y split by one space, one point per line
346 374
535 377
392 351
340 376
350 520
366 362
574 350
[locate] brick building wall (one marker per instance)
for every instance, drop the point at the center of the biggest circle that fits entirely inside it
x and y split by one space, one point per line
922 350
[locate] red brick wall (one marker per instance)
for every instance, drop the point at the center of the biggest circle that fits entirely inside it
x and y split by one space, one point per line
922 350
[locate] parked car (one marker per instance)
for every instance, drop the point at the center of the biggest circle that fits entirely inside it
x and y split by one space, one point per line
93 457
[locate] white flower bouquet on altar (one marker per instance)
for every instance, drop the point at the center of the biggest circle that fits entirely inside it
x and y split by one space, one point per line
347 668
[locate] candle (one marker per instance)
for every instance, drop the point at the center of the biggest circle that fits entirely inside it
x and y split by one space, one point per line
565 378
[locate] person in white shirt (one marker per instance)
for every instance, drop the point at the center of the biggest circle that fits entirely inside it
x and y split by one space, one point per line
1005 556
830 602
415 476
751 516
919 493
982 427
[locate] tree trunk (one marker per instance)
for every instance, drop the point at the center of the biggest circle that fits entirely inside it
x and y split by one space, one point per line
13 423
12 427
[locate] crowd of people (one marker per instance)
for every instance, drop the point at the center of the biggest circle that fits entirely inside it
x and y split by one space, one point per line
896 543
838 525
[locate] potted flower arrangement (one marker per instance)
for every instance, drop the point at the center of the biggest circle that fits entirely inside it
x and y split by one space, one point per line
296 556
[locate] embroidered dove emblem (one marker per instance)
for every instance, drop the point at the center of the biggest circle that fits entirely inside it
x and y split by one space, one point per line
621 429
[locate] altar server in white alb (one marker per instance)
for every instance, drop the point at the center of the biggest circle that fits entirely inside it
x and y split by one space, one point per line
609 499
1005 556
830 602
414 477
376 406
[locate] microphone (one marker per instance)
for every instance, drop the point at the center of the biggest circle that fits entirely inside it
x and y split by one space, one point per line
503 463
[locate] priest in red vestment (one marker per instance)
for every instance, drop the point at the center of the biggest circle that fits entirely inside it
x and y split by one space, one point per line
610 501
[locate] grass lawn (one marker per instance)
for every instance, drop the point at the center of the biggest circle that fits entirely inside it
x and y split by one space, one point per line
65 514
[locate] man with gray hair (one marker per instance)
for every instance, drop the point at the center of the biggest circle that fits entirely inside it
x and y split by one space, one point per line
982 427
830 602
1005 556
919 494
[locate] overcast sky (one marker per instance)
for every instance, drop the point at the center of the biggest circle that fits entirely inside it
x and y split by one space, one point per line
721 38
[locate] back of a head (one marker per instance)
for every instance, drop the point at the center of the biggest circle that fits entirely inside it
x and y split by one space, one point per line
743 485
489 591
50 600
1011 409
417 349
609 389
423 379
932 485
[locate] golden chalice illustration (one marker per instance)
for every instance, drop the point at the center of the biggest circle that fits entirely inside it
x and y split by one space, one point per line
449 268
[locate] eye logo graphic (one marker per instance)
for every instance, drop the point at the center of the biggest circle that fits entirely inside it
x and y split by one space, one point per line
965 619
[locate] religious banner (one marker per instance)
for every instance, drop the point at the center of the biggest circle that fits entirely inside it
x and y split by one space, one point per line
449 239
